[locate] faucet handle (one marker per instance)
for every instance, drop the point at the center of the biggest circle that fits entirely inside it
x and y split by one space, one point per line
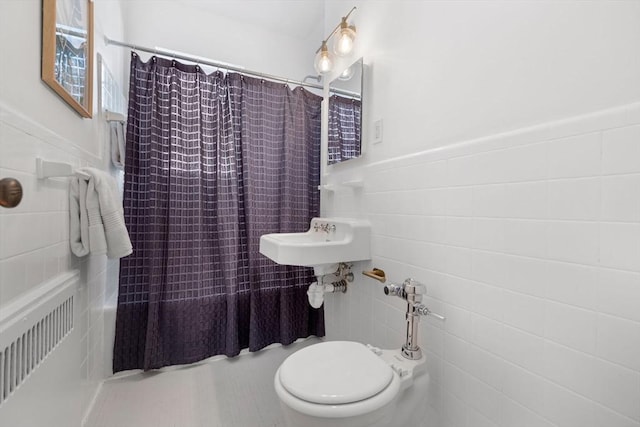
397 290
409 287
423 310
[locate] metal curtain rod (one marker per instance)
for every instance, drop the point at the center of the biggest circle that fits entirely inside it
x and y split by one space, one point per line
204 61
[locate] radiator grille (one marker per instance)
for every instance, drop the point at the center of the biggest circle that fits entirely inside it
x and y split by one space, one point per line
21 357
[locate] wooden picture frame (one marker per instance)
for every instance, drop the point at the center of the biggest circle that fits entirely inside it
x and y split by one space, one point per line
67 51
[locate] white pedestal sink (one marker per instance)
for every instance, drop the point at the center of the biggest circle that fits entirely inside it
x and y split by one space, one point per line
328 241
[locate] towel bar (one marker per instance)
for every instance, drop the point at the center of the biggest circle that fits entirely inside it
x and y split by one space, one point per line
47 169
114 117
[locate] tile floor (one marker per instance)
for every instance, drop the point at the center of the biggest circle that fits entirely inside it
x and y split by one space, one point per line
219 392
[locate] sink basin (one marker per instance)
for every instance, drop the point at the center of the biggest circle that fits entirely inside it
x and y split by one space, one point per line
328 241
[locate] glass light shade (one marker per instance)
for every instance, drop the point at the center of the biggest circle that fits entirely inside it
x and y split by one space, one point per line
323 62
345 39
346 74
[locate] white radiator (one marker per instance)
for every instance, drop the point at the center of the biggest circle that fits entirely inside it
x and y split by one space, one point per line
31 328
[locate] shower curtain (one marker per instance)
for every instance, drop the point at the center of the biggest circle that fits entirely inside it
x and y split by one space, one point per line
344 129
213 162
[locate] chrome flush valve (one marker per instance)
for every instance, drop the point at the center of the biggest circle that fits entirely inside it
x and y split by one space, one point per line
412 291
393 290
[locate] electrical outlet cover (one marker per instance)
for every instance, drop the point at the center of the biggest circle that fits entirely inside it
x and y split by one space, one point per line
377 131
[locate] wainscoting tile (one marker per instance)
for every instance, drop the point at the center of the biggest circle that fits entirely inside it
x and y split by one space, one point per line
531 249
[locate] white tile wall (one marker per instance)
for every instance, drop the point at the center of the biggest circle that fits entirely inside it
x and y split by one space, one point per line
530 245
34 247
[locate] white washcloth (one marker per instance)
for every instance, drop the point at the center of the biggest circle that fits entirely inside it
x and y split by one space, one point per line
117 144
98 226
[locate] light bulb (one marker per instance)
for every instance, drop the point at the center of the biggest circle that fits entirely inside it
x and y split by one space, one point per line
346 74
345 39
323 62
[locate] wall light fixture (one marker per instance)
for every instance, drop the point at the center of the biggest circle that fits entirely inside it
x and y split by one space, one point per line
342 46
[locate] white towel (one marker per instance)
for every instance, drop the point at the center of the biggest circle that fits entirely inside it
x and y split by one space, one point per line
78 221
117 144
98 226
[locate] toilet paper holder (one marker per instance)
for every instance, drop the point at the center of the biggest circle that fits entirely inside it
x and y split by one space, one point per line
376 274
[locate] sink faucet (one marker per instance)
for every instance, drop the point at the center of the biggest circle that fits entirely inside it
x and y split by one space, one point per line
327 228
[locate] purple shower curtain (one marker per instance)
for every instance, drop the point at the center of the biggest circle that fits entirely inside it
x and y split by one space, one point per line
213 162
344 128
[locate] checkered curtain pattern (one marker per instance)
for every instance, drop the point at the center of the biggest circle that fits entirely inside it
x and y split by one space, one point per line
344 128
213 162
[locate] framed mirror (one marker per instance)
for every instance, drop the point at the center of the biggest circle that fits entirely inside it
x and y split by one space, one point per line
345 114
67 51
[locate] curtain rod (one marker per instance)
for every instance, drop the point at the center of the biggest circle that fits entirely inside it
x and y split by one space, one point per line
228 67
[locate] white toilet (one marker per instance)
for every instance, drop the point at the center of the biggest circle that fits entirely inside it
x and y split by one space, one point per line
348 384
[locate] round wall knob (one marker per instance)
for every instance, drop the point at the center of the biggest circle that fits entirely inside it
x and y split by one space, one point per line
10 192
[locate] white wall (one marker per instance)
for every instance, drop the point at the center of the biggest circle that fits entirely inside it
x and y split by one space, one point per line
275 36
449 71
527 237
34 247
271 37
529 244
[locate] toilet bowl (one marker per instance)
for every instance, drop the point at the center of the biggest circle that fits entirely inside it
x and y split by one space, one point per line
348 384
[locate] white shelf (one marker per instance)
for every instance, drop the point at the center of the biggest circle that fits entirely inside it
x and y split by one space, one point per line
347 184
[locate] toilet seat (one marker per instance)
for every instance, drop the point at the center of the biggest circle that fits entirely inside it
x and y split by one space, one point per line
336 379
334 373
